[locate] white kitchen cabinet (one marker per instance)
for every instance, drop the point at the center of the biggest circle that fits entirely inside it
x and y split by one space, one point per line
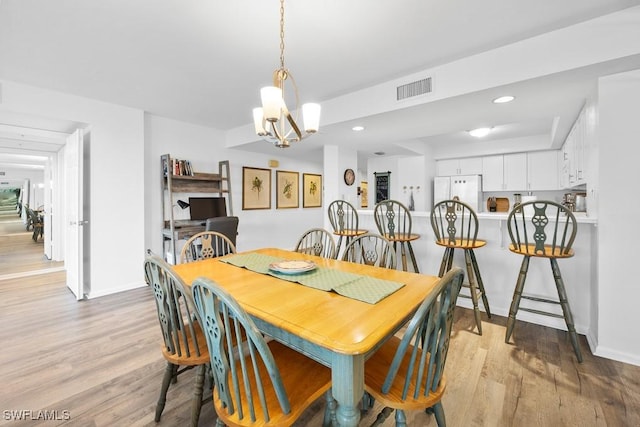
542 171
572 169
504 172
515 171
462 166
492 173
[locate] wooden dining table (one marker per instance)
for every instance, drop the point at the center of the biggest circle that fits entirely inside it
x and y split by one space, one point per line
337 331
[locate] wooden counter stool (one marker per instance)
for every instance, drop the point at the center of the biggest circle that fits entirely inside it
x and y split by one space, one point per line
542 229
344 220
394 223
455 225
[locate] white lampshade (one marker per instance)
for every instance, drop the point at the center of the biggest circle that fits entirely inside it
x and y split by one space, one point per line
258 121
311 117
271 102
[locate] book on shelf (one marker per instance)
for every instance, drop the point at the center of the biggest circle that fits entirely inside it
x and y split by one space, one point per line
179 168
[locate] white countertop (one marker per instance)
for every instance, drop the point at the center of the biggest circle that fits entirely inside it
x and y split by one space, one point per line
581 217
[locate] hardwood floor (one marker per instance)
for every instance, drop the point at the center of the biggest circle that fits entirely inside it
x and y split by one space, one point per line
19 254
100 361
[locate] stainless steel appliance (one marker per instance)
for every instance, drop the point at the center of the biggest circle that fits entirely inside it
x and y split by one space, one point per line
575 202
467 188
581 202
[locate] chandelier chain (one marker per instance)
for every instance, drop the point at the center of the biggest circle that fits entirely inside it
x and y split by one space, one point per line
282 34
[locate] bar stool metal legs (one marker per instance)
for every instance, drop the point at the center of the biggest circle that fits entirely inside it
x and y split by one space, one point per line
547 231
475 281
404 247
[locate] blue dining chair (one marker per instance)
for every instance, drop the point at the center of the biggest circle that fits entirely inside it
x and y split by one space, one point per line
371 249
206 244
408 373
184 345
317 241
258 382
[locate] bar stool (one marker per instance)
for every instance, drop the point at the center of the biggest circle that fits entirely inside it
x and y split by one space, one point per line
394 223
542 229
455 225
344 220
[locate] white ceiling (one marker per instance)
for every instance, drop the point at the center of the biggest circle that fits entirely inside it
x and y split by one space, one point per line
203 61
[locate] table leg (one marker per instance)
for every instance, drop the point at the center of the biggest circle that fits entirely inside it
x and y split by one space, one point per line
347 375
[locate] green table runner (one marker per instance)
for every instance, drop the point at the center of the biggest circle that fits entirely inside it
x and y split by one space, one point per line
363 288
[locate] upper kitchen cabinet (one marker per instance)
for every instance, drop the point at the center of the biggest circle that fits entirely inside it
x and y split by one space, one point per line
504 172
572 169
463 166
542 171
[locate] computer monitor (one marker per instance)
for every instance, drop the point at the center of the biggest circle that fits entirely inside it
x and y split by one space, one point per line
202 208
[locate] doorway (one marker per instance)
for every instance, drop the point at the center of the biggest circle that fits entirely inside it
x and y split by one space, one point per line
30 143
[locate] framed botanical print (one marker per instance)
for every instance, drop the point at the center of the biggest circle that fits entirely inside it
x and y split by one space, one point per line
287 189
256 188
311 190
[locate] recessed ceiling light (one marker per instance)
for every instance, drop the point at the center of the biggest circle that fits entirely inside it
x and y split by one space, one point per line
357 128
379 153
504 99
480 132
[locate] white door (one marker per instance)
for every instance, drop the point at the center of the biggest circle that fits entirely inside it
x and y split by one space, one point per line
47 209
74 250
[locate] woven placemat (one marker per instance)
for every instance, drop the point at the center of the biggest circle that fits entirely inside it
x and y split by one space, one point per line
362 288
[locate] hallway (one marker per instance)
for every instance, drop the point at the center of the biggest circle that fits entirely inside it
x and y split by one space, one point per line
19 254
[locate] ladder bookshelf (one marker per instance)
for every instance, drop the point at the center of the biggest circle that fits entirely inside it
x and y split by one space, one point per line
187 181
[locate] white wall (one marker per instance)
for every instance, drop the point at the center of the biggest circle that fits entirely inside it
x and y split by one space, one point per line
116 172
335 161
618 207
205 148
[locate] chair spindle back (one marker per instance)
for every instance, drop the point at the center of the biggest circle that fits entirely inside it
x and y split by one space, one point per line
242 373
426 340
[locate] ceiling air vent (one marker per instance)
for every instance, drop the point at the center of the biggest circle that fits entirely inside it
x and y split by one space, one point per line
419 87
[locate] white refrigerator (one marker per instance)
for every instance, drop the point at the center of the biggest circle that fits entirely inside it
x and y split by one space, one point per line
467 188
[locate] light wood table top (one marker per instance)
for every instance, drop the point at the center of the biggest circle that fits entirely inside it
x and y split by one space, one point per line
324 318
335 330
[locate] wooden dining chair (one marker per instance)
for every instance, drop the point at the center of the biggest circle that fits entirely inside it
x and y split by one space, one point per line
343 217
408 373
206 244
393 220
542 229
258 383
370 249
36 223
317 241
455 226
184 344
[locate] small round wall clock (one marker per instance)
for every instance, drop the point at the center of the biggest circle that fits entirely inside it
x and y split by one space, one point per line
349 177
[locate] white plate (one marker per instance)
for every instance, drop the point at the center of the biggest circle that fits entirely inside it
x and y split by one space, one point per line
292 267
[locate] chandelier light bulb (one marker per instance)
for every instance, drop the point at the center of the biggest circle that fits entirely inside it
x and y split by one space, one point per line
274 121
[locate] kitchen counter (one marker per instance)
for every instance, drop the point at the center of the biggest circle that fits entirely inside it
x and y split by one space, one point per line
581 217
499 267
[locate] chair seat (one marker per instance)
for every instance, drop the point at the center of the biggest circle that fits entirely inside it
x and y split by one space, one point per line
350 233
461 243
376 369
193 360
549 251
402 237
304 380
